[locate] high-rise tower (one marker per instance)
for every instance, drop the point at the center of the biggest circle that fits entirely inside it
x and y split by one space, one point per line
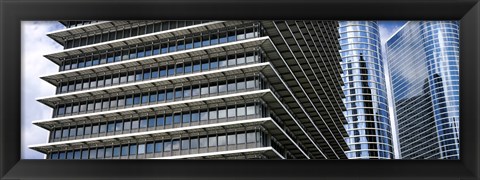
195 90
423 62
367 113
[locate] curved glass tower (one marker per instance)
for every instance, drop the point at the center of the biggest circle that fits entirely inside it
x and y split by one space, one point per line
423 62
366 96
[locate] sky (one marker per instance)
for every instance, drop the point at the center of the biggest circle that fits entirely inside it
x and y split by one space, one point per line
34 66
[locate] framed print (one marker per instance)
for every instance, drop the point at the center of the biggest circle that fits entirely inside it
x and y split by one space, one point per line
218 90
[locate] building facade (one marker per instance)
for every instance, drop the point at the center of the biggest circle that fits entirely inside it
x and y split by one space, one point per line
196 90
423 62
370 134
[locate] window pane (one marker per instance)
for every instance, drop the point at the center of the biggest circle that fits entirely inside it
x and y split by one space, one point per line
241 111
203 142
160 120
232 139
250 137
185 144
194 143
222 113
241 138
222 140
176 144
108 152
212 114
124 150
168 120
118 126
135 124
116 151
133 149
186 118
151 122
212 141
141 149
150 148
158 146
143 123
167 146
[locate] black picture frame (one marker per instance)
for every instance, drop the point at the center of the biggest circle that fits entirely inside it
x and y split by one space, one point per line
13 12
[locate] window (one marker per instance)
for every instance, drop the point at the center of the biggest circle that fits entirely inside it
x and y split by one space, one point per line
231 112
241 111
212 141
222 140
158 146
135 124
111 127
185 144
203 115
65 133
145 98
196 66
143 123
204 90
250 137
222 113
124 150
160 120
186 118
241 138
222 88
93 154
151 122
195 116
72 132
251 110
116 151
167 146
231 139
178 93
126 125
168 120
70 155
80 131
141 149
85 154
77 154
194 143
88 130
186 92
149 148
133 149
203 142
176 144
212 114
232 86
177 118
100 153
95 129
195 90
169 94
108 152
103 127
118 126
161 95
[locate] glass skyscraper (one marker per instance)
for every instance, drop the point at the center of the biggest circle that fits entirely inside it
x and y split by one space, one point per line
367 113
196 90
423 62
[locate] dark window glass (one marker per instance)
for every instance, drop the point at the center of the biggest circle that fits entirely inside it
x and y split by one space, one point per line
177 118
151 122
160 120
158 146
169 94
143 123
168 120
141 149
108 152
186 118
212 141
194 143
116 151
124 150
111 126
195 116
203 142
70 155
150 147
161 95
167 146
133 149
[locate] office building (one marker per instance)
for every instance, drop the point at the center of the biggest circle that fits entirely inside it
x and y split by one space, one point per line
423 62
369 130
196 90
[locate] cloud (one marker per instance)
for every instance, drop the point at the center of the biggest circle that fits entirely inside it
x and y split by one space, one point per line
35 44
